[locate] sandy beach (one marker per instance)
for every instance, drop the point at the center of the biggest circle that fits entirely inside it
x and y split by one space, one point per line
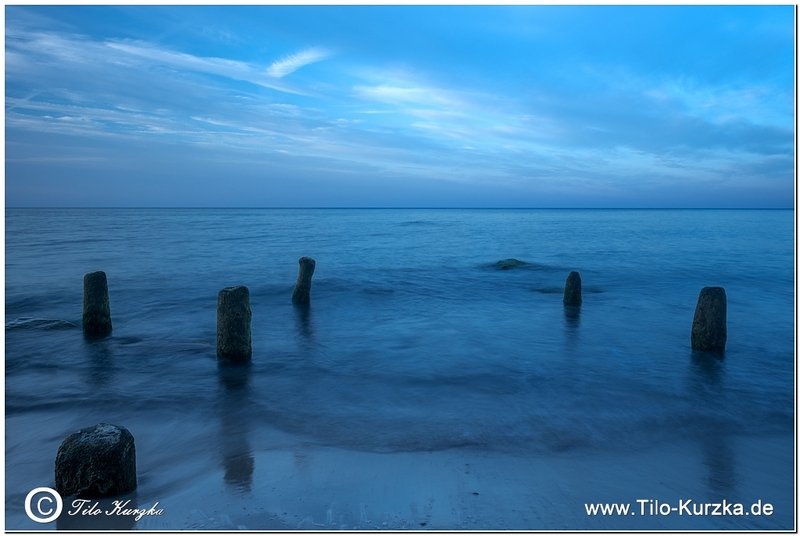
297 486
328 488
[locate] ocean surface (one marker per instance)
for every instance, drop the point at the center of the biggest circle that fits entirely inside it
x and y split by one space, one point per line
416 338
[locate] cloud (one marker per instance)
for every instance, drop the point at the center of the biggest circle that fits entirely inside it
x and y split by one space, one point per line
289 64
617 127
438 113
233 69
404 92
29 52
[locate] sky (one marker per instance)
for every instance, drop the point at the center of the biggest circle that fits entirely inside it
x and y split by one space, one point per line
400 106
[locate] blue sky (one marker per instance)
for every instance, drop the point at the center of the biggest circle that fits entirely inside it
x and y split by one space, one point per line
422 106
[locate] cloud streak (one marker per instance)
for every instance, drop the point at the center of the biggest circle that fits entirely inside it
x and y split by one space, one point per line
289 64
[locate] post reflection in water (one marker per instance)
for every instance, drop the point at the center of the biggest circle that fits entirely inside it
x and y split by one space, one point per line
100 364
572 323
720 459
235 408
718 455
303 316
572 316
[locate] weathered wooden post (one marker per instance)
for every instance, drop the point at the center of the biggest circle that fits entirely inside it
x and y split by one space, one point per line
233 324
302 289
96 308
572 289
710 325
98 461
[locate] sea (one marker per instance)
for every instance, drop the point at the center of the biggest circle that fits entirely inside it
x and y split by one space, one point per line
428 330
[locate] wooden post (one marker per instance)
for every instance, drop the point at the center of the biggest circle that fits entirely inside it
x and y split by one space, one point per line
302 289
710 325
96 308
233 324
572 289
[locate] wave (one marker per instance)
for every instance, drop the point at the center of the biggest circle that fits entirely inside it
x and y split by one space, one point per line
560 290
39 323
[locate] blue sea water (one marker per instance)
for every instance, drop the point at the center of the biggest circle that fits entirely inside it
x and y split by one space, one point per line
415 340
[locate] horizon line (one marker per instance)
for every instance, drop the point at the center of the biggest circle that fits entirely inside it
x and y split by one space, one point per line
385 208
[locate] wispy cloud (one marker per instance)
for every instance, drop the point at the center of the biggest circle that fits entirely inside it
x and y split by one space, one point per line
390 113
289 64
236 70
81 53
403 93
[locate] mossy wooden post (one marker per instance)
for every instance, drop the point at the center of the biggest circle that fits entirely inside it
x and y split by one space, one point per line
98 461
96 308
233 324
302 289
572 289
710 325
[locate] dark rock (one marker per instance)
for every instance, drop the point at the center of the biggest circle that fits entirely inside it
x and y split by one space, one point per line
96 308
507 264
710 325
572 289
302 289
98 461
233 324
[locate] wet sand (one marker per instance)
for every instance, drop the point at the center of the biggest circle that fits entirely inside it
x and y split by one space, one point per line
296 486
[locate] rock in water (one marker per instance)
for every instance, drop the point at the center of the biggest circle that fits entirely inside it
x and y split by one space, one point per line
302 289
98 461
507 264
572 290
96 308
710 326
233 324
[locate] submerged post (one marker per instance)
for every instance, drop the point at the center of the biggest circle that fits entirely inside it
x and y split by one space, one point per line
572 290
233 324
302 289
710 325
96 308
